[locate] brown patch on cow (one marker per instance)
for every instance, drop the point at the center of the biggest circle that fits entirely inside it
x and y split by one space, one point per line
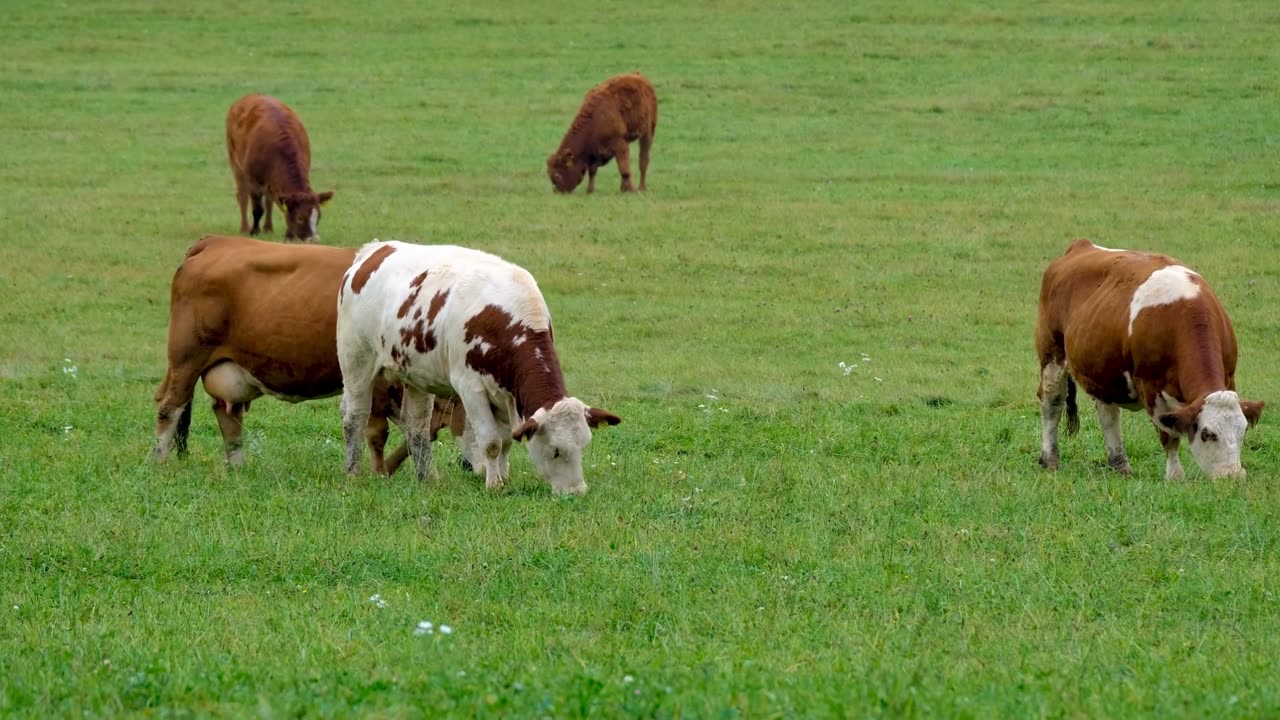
417 334
417 313
369 267
415 287
437 303
529 370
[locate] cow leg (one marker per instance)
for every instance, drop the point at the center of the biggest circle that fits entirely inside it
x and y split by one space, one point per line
591 178
242 199
1172 463
173 401
486 438
257 213
268 202
416 410
357 399
1109 418
470 458
1053 397
622 151
182 431
646 142
231 423
375 435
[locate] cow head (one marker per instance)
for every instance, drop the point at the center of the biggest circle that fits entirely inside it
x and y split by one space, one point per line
1215 427
565 170
557 437
302 214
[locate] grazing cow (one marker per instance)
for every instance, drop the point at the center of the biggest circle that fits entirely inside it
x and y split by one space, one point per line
1140 330
256 318
617 112
271 161
445 320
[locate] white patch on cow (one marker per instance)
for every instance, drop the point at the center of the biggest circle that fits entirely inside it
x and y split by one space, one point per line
1096 245
312 222
1165 286
1128 379
519 340
1223 419
484 346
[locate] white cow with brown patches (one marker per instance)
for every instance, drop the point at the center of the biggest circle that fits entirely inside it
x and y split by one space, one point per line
446 320
1140 331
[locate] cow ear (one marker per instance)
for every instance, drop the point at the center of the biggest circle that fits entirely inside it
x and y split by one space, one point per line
1179 421
1252 410
525 430
597 417
324 197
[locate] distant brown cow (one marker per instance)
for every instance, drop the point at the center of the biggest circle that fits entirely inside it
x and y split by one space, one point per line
271 160
618 111
255 318
1140 331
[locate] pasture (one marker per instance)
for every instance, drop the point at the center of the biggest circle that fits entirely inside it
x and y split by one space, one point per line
823 499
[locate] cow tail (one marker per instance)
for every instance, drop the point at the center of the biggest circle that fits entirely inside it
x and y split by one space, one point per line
1073 412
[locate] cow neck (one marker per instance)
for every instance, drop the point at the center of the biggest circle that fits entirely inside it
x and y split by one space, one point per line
1199 348
536 380
288 176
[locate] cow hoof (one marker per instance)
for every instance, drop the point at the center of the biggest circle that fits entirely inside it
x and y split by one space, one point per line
465 464
1120 465
1048 462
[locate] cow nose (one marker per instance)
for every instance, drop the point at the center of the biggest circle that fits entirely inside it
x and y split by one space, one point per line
1235 473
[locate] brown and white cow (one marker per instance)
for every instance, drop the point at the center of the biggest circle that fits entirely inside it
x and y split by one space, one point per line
271 160
615 113
446 320
1140 330
255 318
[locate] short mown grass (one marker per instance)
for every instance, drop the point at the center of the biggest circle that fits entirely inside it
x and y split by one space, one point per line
823 499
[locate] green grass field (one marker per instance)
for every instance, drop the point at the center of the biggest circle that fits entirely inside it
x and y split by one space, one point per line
769 533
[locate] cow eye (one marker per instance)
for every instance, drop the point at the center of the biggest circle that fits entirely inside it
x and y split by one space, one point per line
1206 436
556 454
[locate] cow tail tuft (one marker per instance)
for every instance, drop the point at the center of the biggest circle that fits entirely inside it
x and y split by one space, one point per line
1073 412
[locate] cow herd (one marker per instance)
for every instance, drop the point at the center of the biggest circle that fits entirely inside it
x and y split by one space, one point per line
429 336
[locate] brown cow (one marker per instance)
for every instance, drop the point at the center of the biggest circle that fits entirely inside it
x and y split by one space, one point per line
255 318
618 111
271 160
1140 331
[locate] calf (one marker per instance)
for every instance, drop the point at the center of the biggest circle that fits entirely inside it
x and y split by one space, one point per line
445 320
617 112
255 318
1140 330
271 160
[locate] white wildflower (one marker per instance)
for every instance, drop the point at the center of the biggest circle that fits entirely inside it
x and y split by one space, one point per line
446 630
424 628
627 679
377 600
